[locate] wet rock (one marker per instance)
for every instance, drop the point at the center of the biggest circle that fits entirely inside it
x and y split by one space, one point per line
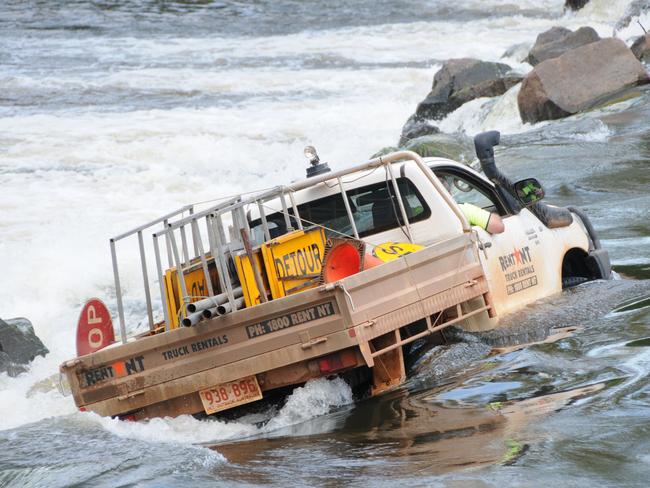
514 335
518 52
462 80
558 40
579 80
641 48
441 145
416 127
507 335
19 345
575 4
443 361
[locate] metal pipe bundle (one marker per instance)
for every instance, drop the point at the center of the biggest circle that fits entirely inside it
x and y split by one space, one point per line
192 319
212 302
226 307
209 312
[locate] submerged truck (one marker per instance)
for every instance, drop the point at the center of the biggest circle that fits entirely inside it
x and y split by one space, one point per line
337 274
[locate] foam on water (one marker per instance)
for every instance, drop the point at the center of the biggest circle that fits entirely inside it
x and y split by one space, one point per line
22 403
314 399
484 114
601 133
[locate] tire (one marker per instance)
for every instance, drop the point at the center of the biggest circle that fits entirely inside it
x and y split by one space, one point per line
571 281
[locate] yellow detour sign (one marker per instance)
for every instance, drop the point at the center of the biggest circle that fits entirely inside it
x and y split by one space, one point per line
388 251
293 261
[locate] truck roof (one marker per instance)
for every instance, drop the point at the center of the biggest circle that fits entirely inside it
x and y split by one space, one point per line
417 188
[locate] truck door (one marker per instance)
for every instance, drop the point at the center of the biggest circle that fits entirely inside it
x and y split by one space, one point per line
513 259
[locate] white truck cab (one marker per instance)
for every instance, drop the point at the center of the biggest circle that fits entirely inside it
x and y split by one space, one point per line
542 250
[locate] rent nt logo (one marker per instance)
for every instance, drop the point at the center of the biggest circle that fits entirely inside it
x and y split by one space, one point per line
115 370
516 257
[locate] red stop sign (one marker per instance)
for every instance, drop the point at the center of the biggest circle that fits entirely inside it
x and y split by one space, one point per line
95 328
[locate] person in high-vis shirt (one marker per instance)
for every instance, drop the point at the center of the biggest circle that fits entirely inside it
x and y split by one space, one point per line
475 215
488 221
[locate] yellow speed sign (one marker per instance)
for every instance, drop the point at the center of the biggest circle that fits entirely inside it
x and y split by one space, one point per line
388 251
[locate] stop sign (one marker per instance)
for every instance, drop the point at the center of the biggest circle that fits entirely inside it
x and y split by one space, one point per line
95 328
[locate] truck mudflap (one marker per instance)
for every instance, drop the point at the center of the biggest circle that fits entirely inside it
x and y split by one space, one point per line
364 312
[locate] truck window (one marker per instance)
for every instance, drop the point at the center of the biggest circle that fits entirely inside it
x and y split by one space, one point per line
374 208
463 190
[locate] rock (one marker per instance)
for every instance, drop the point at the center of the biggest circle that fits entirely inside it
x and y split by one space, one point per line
416 127
518 52
558 40
19 345
462 80
454 147
641 48
514 335
579 80
575 4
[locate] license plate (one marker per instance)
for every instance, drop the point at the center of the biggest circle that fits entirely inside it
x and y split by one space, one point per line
231 394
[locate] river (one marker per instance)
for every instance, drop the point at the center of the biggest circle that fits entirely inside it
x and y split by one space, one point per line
113 112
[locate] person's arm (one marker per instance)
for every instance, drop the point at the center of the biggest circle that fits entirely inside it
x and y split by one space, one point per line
490 222
495 224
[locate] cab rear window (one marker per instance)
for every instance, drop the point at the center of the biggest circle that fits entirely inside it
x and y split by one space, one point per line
374 208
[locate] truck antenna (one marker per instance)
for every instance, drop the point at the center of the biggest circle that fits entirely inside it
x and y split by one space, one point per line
639 22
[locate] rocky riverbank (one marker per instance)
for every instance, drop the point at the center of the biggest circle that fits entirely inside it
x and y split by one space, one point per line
570 72
19 345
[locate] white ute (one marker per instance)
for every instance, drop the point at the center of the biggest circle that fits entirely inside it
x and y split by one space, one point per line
259 295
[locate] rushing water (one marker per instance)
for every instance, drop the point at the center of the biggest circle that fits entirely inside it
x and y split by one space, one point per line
114 112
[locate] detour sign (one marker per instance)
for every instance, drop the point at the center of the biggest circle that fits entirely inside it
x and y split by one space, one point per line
293 261
389 251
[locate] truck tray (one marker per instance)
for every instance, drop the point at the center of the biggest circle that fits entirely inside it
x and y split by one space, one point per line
162 374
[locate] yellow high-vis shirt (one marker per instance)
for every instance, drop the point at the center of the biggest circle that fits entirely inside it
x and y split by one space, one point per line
475 215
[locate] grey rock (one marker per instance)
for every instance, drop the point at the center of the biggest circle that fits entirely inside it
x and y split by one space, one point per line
19 345
444 361
579 80
416 127
514 335
558 40
641 48
452 146
575 4
462 80
518 51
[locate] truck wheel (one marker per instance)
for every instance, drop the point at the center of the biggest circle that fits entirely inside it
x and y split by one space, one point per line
571 281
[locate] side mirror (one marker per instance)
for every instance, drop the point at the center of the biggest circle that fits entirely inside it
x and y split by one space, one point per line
529 191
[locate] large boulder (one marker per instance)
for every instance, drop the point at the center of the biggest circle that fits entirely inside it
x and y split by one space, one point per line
558 40
641 48
575 4
579 80
416 127
19 345
462 80
453 146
